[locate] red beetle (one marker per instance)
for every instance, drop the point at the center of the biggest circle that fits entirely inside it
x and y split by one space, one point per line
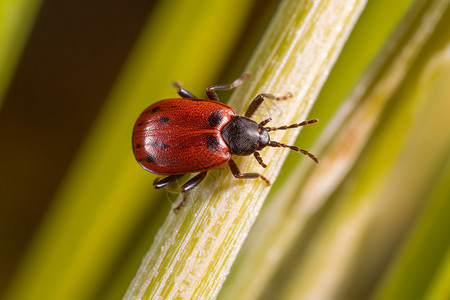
190 135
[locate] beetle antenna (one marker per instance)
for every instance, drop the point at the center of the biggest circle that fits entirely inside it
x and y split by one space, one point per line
304 152
292 126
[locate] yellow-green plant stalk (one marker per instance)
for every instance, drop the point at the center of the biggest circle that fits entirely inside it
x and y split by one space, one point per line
16 20
392 174
324 265
194 250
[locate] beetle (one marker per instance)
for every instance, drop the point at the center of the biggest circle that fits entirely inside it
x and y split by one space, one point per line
185 135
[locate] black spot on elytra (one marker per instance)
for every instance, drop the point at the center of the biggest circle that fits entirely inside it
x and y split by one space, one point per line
150 158
161 145
214 119
140 124
212 142
163 120
155 109
138 146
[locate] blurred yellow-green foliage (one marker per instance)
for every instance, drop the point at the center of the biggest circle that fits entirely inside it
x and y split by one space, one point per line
78 214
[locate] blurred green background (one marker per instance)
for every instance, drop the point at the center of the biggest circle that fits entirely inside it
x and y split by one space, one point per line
78 213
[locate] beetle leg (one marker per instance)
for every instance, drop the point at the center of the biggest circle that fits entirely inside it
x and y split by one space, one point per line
262 123
182 92
259 99
254 106
237 174
193 182
259 159
185 94
211 90
159 183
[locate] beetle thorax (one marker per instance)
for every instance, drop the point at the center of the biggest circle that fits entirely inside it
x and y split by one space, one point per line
244 136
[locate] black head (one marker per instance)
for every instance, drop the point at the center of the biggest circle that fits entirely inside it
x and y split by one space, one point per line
245 137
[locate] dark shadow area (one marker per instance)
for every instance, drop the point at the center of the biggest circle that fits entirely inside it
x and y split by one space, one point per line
72 57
